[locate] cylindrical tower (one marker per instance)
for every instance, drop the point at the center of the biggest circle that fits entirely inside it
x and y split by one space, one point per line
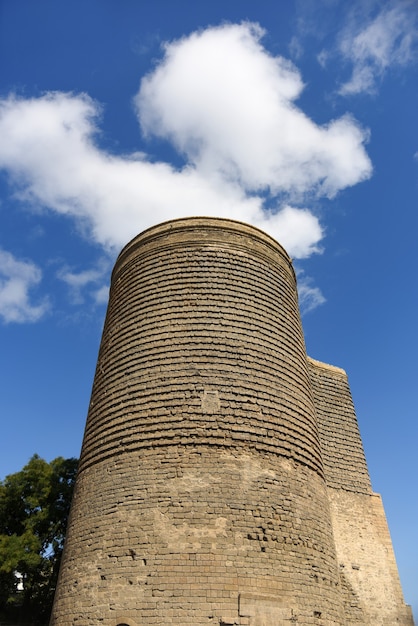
200 497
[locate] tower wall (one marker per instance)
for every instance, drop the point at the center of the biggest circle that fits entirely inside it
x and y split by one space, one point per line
201 496
222 478
370 585
341 446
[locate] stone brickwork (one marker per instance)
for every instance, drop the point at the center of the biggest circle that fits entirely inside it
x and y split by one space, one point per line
219 464
370 583
342 449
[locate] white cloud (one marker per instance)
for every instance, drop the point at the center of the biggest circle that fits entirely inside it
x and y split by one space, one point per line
387 40
90 279
310 297
17 278
228 107
49 152
300 229
322 58
101 295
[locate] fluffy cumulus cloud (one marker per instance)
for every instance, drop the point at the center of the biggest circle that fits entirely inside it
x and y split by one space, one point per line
386 40
228 107
50 154
17 278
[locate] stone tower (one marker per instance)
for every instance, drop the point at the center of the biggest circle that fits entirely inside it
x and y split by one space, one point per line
222 478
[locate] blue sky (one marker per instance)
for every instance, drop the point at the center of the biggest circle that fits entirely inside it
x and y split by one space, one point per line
298 117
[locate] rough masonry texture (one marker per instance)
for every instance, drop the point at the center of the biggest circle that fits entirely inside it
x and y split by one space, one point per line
222 477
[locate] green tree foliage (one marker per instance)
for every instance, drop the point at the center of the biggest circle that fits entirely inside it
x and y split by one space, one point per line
34 508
